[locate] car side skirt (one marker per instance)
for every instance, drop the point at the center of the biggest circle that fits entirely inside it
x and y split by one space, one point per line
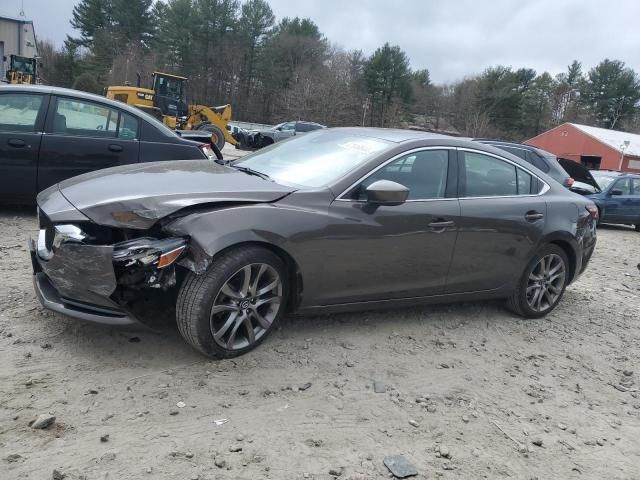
502 292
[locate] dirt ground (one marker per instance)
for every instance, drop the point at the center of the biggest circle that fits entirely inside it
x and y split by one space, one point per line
470 391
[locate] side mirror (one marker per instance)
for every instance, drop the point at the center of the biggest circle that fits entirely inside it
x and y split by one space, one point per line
616 192
279 129
386 192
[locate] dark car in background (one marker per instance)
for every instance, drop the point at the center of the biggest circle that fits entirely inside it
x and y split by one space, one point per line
537 157
619 198
335 220
263 137
49 134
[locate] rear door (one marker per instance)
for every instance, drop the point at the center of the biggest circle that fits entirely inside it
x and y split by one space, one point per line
82 136
21 119
502 218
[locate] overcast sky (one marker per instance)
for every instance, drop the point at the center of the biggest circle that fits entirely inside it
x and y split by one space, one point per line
450 38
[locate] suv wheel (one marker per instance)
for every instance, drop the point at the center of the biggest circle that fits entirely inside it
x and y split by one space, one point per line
235 305
542 284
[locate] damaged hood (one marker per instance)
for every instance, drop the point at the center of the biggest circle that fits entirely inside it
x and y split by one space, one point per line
136 196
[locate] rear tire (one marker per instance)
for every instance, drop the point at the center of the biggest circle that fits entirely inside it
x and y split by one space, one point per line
235 305
542 284
217 135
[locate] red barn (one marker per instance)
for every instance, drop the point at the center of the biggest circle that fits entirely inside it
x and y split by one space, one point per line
596 148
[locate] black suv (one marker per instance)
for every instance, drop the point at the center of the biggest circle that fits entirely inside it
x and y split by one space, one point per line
49 134
545 161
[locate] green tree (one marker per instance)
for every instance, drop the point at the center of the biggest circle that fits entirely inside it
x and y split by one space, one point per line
566 97
388 78
537 105
254 26
611 92
90 18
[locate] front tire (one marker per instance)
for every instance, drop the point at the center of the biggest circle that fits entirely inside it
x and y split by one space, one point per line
235 305
542 284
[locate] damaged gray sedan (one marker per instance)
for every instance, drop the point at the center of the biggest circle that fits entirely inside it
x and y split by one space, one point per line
337 219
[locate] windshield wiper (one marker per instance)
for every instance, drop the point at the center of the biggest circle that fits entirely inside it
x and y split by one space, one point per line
251 171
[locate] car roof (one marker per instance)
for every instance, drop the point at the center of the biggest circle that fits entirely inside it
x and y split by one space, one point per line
615 173
394 135
508 143
45 89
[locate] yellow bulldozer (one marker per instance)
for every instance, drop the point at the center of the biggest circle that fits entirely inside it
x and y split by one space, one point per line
22 70
166 101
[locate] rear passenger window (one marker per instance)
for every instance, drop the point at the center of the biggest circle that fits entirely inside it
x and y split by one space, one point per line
128 128
518 152
19 112
635 183
526 182
535 159
487 176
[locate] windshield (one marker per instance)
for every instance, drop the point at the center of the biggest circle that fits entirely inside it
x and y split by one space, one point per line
603 179
315 159
170 87
23 65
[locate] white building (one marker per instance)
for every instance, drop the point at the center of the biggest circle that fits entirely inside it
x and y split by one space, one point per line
17 37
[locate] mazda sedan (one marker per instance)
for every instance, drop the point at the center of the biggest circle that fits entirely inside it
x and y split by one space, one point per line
338 219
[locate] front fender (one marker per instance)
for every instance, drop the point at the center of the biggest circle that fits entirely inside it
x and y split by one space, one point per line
286 227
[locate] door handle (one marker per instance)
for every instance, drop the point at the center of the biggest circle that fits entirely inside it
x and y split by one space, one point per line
17 143
532 216
441 223
115 148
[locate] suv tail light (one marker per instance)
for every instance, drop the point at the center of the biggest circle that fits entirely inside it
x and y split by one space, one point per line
593 210
570 181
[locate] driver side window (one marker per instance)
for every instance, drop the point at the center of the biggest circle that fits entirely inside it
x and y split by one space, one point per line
424 173
288 126
623 185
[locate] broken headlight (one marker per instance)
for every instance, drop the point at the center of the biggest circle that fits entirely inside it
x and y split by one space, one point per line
148 252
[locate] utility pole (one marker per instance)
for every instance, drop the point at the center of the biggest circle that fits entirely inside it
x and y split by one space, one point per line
623 147
365 106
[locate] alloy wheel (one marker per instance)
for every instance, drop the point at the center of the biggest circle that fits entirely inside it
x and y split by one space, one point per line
546 283
246 306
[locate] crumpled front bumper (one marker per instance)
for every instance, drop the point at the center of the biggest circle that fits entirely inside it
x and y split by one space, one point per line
78 282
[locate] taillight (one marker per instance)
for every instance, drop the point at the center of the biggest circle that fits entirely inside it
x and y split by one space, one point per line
593 210
208 151
570 182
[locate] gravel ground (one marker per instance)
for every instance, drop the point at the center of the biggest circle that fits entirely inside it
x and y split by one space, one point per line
466 391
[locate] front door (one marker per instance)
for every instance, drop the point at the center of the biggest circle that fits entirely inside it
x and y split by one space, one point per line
620 208
21 119
82 136
391 252
502 219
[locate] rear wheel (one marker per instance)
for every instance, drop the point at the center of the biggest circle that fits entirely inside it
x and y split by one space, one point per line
217 136
542 284
235 305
